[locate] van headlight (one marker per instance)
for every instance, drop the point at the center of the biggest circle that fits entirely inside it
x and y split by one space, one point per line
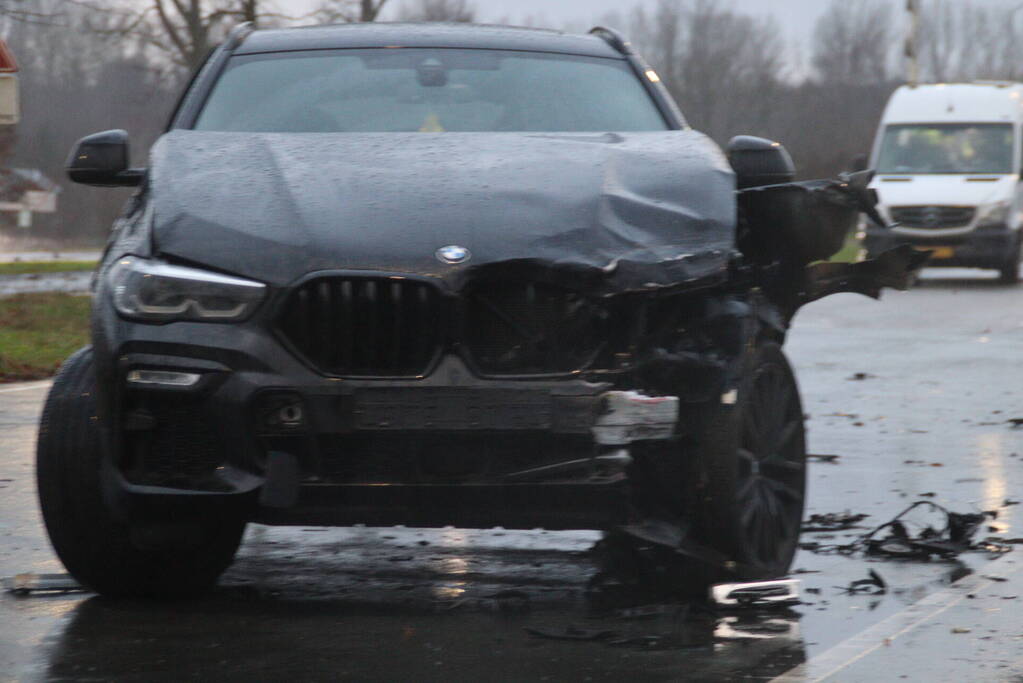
159 292
993 214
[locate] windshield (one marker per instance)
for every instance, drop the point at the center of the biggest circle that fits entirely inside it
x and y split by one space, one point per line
427 90
947 148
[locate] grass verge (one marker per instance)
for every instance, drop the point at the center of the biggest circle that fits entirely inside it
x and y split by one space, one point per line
38 331
23 267
850 250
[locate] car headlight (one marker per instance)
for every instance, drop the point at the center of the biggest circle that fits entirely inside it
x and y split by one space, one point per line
159 292
993 214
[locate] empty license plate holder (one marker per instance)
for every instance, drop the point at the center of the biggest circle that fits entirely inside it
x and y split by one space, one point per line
429 409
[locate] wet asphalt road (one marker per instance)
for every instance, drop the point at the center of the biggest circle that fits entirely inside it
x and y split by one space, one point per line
944 363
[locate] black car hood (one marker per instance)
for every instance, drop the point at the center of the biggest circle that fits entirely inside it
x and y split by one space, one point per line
610 213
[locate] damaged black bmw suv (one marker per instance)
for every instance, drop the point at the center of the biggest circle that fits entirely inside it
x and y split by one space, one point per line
440 275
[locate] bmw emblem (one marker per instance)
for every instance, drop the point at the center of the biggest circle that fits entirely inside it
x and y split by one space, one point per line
453 254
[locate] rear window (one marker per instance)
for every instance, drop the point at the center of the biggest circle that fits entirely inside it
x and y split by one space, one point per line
428 90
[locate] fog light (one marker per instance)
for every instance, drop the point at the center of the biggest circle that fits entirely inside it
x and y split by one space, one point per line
290 415
165 378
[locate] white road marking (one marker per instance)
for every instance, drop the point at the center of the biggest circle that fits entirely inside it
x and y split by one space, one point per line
884 633
28 387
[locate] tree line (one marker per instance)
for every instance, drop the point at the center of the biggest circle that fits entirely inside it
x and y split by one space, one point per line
87 65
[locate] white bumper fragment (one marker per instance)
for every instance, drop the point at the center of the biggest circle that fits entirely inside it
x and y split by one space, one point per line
631 416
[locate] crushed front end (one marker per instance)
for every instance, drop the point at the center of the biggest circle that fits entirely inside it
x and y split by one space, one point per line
389 398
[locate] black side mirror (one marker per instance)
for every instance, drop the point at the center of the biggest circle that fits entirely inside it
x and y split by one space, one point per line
859 163
102 159
758 162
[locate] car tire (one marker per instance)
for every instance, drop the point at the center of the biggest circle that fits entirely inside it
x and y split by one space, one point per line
104 553
1008 273
747 473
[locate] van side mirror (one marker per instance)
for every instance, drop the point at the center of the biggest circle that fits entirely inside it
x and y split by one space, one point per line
101 159
859 163
757 162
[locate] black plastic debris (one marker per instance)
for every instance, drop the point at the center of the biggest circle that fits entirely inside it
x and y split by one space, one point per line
829 458
860 376
832 521
26 584
1016 422
944 534
929 541
872 585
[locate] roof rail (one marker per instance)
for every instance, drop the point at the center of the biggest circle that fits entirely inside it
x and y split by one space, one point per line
237 35
614 39
999 84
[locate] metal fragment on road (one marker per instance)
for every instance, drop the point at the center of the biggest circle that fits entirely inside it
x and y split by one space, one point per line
756 594
25 584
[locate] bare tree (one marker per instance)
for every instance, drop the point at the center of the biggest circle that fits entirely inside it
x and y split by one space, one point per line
852 42
345 11
724 68
964 40
438 10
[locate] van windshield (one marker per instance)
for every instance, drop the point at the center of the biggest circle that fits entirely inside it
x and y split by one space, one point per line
947 148
428 90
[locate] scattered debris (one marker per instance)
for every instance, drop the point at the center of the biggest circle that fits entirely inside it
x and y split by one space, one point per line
1016 422
824 458
1003 541
999 579
944 541
949 541
960 629
759 594
873 585
860 376
643 641
832 521
24 584
1008 501
642 611
573 633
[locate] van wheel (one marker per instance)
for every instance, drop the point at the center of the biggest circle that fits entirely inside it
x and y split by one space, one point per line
100 551
1009 272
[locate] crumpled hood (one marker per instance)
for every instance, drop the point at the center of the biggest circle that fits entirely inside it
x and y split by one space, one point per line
622 212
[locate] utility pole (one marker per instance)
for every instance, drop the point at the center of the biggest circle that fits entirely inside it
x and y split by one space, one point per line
912 43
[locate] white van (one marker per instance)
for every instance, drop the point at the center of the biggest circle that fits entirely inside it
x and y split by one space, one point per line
948 160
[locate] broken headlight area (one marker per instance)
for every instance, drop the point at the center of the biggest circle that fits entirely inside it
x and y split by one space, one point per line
153 291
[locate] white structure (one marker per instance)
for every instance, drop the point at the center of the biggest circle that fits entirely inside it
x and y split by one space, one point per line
9 103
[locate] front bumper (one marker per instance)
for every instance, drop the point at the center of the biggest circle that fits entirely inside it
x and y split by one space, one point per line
988 247
259 430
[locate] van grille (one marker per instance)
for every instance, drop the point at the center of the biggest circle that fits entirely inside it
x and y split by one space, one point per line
366 326
933 217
